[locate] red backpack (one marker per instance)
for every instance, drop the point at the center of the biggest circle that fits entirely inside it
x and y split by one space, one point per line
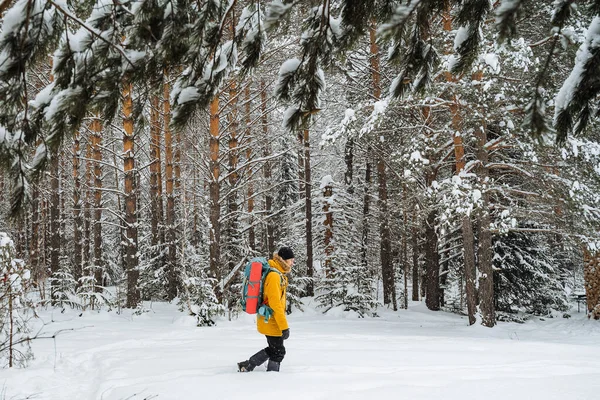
255 273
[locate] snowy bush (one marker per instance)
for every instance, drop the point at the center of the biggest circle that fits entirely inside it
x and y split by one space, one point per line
526 277
16 309
197 294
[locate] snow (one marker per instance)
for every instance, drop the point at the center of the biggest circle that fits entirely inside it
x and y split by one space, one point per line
326 180
289 66
41 153
592 41
100 10
5 240
3 135
334 24
493 61
44 96
349 117
60 101
168 10
288 114
79 40
462 34
414 354
275 10
399 17
416 157
14 17
188 94
505 7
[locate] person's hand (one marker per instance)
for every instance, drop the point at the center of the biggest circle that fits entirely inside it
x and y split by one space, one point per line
285 334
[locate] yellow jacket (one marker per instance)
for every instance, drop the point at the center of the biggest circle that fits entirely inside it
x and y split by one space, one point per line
274 295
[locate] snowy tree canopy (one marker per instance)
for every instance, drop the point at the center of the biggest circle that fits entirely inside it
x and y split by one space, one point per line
94 52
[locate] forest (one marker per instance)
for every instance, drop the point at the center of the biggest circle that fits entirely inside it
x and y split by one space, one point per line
438 150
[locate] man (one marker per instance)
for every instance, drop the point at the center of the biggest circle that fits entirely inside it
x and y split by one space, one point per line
275 328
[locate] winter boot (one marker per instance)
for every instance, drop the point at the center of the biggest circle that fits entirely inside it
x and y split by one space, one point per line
273 366
254 361
245 366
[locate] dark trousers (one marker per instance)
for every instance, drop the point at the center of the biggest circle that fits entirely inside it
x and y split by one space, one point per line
276 350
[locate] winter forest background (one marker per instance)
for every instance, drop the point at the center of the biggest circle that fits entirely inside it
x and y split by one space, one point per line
439 150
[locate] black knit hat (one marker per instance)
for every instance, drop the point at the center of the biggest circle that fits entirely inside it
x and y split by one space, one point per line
285 253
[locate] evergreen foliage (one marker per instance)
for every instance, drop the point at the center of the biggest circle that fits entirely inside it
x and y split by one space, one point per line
197 296
16 308
527 276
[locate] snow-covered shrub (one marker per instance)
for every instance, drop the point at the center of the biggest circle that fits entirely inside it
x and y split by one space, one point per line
16 310
526 276
197 295
64 288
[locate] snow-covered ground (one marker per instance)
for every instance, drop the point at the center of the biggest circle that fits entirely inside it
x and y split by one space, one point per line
412 354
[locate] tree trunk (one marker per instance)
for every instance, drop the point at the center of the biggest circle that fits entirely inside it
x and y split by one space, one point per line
310 271
328 192
34 251
385 250
155 173
96 138
364 253
591 275
77 215
432 268
170 193
470 271
268 172
249 156
467 226
486 273
54 222
215 210
349 158
404 257
301 166
387 269
131 259
233 160
415 253
87 210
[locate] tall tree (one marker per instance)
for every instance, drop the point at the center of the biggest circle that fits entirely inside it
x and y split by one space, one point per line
55 240
387 268
171 274
156 204
486 273
96 139
77 209
310 271
249 172
267 169
214 192
130 189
